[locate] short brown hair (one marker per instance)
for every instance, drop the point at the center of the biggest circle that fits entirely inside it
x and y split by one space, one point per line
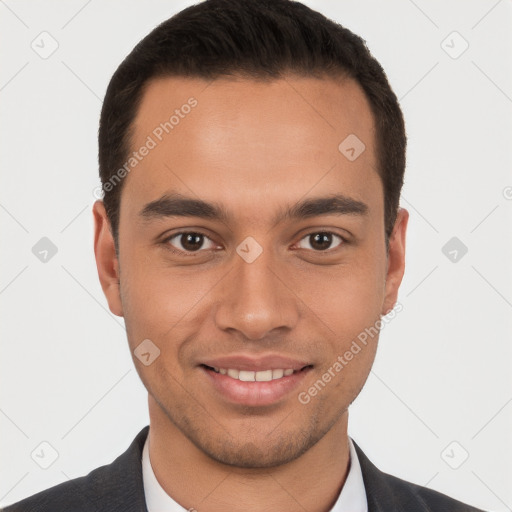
262 39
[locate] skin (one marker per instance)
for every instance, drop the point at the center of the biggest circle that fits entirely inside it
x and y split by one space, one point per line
254 148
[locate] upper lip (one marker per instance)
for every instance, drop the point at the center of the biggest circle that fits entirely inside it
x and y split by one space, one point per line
255 364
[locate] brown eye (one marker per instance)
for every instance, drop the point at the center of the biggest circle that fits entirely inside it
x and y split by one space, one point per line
189 242
320 241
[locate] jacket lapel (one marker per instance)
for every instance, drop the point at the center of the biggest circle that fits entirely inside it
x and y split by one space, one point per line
381 494
122 484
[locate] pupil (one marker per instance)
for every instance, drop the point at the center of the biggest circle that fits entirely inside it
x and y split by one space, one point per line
321 240
192 241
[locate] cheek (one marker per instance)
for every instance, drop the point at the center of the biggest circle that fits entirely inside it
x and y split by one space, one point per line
345 298
160 303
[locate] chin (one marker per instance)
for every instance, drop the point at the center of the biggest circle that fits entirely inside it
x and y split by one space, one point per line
255 455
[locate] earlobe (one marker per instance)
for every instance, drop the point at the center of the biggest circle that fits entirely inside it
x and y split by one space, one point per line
396 261
106 258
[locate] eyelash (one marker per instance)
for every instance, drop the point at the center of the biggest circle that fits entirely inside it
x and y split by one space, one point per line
166 241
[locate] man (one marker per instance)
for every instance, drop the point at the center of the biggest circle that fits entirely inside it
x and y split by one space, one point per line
252 155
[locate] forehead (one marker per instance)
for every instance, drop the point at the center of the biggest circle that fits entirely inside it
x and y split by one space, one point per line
233 140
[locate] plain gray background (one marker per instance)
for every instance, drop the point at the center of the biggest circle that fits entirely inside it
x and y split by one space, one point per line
436 409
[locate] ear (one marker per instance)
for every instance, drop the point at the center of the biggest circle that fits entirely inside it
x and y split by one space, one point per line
396 261
106 258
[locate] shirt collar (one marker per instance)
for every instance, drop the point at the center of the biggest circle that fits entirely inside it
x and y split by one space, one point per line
351 499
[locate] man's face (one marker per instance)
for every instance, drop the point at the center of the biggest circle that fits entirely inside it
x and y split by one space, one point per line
257 290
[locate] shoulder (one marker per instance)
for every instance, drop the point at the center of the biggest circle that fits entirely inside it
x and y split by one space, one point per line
115 487
415 497
387 492
77 495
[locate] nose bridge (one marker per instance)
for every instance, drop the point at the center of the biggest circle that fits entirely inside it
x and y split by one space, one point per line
254 301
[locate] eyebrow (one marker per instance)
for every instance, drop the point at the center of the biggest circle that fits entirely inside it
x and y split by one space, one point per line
177 205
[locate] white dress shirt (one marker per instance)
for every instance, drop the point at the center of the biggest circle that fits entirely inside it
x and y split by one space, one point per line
351 499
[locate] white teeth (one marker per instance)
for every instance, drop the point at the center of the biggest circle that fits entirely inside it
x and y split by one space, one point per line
277 374
250 376
264 376
233 373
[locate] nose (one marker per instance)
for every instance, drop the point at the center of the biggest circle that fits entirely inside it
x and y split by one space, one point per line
255 301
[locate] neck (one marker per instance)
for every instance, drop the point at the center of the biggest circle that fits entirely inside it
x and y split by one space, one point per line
311 482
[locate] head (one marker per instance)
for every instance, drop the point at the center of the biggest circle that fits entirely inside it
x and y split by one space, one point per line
252 155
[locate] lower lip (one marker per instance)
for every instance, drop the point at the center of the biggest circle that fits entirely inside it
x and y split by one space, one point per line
254 393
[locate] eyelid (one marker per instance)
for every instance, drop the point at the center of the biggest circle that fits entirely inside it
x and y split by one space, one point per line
344 240
175 250
168 238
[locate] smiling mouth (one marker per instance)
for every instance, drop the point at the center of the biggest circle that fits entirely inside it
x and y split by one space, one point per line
256 376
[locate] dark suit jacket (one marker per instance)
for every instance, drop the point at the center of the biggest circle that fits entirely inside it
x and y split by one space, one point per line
118 487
